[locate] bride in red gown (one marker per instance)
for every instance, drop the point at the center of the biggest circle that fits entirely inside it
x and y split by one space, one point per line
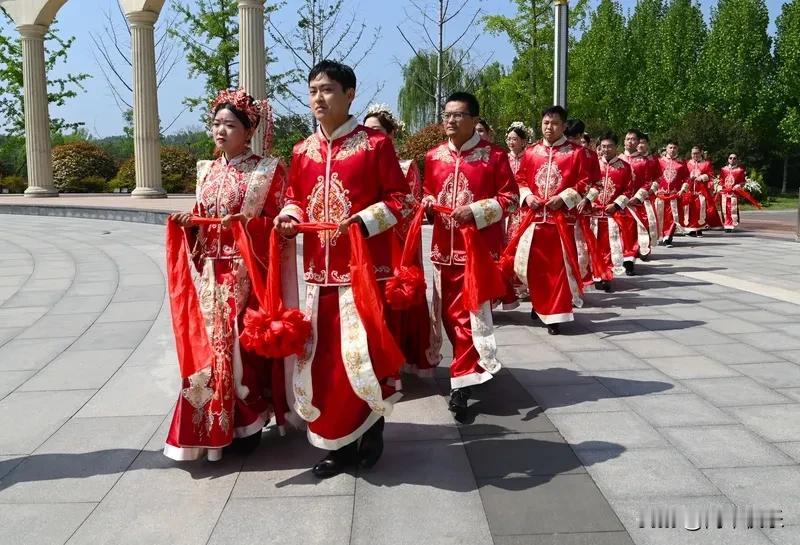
227 400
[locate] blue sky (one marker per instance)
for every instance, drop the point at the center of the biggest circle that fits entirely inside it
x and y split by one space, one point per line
97 108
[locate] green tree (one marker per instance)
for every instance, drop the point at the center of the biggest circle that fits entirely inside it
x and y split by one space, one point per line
680 41
736 62
209 33
417 100
59 89
527 87
787 83
597 76
640 60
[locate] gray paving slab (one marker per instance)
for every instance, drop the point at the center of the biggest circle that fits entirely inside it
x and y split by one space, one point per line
11 380
81 304
546 504
23 524
687 367
21 317
790 355
761 487
121 397
310 520
81 462
771 341
639 382
28 419
655 348
735 326
678 410
48 326
607 360
76 369
775 423
31 354
734 353
620 430
734 391
113 335
645 472
576 398
777 374
130 311
582 538
724 446
414 474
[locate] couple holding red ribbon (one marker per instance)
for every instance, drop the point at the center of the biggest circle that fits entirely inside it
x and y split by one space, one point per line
246 353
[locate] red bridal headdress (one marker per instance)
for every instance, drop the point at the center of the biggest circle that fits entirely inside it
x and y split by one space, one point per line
257 111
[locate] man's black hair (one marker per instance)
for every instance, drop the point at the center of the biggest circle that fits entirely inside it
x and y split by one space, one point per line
473 107
610 136
336 71
672 142
557 111
644 136
574 128
637 132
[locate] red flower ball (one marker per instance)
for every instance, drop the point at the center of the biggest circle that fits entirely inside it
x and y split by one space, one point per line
406 288
275 337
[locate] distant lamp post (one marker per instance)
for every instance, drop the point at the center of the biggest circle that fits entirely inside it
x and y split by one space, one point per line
560 62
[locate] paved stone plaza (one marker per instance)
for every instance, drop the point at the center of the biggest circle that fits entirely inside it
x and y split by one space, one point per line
682 388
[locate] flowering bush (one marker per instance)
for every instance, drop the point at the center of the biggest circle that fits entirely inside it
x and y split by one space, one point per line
14 184
77 161
178 171
417 145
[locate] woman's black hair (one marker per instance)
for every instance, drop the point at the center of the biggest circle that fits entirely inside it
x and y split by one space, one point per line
520 132
386 121
240 115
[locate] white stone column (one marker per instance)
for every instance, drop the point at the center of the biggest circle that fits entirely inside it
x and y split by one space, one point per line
252 66
37 117
146 143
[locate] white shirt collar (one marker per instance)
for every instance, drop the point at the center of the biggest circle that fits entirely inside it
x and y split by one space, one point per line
558 142
345 128
468 145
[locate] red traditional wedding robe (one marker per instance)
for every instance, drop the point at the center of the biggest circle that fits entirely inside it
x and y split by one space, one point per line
340 383
643 234
226 398
695 214
609 229
412 327
517 290
730 179
476 175
546 258
674 178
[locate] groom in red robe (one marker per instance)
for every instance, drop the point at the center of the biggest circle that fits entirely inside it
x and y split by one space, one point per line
343 174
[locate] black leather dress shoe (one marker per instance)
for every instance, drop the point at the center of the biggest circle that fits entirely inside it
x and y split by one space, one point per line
458 399
553 329
628 268
244 445
336 461
371 447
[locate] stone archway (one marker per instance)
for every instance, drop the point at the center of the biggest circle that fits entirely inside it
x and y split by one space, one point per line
34 17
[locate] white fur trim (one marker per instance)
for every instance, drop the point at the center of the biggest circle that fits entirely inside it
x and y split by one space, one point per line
652 222
184 454
703 205
377 218
523 194
641 194
570 197
334 444
621 201
472 379
577 302
676 217
592 194
642 234
549 319
486 212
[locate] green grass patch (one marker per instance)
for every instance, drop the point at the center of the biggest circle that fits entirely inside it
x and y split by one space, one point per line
777 202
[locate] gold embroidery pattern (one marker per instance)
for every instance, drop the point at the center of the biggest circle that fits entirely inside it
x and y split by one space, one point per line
355 354
357 143
478 154
451 187
198 393
301 383
548 179
310 148
670 173
483 338
443 154
310 275
328 203
258 185
489 209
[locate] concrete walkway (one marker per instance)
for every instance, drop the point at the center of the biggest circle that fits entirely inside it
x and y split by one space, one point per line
681 389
